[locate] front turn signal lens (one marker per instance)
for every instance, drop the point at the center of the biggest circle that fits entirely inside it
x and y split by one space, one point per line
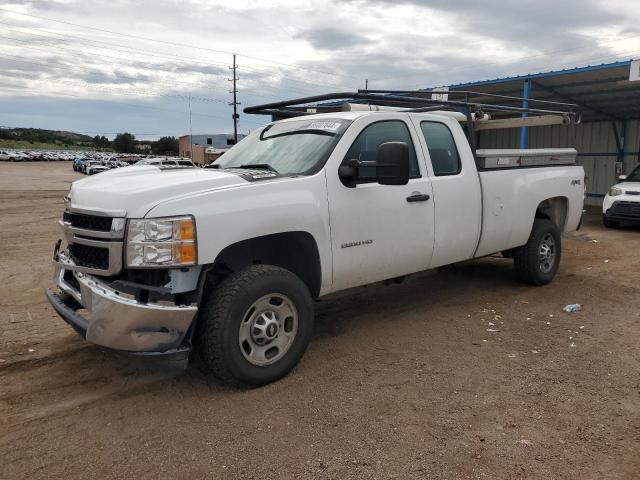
185 254
186 230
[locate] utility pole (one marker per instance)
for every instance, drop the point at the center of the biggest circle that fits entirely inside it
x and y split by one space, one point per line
190 131
366 84
235 102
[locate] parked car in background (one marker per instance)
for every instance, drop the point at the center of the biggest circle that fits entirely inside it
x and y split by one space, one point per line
165 162
94 166
622 203
4 156
18 157
78 164
116 163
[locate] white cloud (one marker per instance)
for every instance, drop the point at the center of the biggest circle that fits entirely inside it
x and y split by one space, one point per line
286 49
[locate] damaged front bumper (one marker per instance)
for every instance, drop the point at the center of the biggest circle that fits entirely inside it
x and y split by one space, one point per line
116 319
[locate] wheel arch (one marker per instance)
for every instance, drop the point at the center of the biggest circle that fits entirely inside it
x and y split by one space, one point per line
296 251
555 209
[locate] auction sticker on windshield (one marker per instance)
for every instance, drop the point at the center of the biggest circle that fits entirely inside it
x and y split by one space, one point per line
327 126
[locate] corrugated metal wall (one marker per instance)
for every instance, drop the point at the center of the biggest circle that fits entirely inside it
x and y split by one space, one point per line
596 138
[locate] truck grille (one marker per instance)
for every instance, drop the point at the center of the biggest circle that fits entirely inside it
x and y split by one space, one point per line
88 222
88 256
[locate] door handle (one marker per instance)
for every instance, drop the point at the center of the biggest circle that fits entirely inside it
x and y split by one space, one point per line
418 197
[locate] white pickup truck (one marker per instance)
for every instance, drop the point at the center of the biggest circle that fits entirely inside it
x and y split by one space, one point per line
231 258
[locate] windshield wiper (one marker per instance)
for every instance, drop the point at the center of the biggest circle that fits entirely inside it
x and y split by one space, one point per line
258 166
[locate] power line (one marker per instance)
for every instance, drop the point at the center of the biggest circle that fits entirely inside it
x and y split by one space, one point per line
127 104
137 79
32 62
249 69
88 27
268 60
20 29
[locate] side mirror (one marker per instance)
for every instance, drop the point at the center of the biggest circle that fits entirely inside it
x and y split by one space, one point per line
622 178
392 163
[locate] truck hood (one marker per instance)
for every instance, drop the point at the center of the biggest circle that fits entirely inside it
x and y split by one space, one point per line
133 191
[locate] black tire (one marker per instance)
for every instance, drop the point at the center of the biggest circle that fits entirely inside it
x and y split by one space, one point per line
226 307
531 265
610 223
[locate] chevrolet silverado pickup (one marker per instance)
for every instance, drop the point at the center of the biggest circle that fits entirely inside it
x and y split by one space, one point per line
230 258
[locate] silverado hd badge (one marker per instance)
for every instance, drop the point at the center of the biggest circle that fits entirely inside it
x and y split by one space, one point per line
356 244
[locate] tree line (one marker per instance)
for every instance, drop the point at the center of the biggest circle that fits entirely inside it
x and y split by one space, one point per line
127 143
122 143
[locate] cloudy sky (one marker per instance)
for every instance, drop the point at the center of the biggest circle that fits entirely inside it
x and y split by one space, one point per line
105 66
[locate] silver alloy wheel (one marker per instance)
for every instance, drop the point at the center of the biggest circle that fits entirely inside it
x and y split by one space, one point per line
547 253
268 329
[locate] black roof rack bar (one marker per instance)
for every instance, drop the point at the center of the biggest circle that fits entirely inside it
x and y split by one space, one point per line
468 92
302 107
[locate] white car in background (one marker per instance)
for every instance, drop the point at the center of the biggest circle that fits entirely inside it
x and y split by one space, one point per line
165 162
14 156
94 166
622 202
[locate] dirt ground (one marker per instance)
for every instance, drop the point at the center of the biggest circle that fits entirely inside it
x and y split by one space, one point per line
456 374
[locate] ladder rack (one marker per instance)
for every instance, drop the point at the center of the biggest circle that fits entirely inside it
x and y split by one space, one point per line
475 113
411 101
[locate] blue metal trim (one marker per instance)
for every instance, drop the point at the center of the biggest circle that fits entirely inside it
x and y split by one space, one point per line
552 73
525 104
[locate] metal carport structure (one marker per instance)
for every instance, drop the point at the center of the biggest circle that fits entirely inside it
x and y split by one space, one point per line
608 139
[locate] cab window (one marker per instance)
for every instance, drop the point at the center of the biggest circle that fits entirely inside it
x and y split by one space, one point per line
365 147
442 148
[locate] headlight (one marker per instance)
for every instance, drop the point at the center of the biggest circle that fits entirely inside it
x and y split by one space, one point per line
615 191
157 242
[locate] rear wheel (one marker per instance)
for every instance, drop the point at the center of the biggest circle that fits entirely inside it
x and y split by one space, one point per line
537 262
255 326
610 223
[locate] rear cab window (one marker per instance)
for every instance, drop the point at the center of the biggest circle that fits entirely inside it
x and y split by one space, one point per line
443 152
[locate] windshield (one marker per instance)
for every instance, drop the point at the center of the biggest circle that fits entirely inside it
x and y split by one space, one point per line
634 176
290 148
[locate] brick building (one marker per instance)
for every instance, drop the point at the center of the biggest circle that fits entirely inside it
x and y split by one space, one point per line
205 148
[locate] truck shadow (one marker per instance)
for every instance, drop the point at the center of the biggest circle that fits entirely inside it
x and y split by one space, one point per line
454 285
91 374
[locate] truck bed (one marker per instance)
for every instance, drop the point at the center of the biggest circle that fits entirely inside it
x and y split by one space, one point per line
510 197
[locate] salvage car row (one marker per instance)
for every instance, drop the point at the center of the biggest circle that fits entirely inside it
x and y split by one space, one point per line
8 155
91 166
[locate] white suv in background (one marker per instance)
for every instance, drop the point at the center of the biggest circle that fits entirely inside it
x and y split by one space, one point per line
622 202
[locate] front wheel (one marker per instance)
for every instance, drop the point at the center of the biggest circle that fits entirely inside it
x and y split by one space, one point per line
537 262
254 327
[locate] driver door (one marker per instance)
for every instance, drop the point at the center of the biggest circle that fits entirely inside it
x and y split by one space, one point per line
379 231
